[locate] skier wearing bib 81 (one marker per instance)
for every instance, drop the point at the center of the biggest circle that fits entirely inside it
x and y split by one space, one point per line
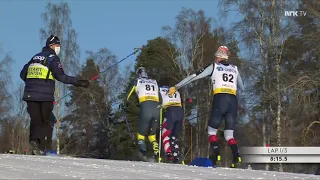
225 79
172 123
147 91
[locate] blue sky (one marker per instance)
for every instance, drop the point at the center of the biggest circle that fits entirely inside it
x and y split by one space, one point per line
118 25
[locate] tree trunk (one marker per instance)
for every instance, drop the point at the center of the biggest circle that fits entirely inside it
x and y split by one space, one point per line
278 116
275 37
197 134
226 154
12 137
59 88
191 145
264 136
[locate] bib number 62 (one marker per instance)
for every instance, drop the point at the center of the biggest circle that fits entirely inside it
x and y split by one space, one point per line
227 77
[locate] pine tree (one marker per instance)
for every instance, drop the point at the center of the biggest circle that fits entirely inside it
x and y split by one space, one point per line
89 112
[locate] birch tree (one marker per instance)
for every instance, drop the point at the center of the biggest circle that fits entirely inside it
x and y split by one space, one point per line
13 124
5 80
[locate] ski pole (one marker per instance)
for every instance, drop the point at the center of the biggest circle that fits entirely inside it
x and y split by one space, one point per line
128 126
160 134
194 75
184 83
200 115
97 76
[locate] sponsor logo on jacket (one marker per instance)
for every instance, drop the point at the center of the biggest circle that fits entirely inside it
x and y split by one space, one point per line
41 58
227 69
148 81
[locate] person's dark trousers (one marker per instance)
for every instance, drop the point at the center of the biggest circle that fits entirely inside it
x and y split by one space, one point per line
49 131
48 137
40 124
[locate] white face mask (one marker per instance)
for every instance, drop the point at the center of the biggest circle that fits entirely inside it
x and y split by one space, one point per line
57 50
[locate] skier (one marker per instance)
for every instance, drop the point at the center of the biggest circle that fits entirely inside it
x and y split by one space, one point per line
225 79
39 75
147 91
172 123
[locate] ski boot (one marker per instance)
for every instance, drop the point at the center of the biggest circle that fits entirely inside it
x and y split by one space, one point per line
142 156
35 148
176 157
169 157
142 152
236 161
215 156
214 151
215 159
177 160
155 147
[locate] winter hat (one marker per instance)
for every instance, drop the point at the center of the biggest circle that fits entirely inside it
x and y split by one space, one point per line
141 72
52 40
222 52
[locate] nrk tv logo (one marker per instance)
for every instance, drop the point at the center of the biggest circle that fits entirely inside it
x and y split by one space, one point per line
295 13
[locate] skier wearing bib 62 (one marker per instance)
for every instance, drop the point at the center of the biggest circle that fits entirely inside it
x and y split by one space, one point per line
172 123
225 79
147 91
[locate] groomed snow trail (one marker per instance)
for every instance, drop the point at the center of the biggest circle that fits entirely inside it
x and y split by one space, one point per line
48 167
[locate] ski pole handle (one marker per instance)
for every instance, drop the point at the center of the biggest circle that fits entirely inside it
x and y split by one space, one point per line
94 78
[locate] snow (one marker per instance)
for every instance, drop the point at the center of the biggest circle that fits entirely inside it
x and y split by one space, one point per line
49 167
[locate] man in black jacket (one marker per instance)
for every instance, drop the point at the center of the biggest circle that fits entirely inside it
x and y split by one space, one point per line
39 75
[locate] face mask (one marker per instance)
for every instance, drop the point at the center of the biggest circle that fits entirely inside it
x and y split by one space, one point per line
57 50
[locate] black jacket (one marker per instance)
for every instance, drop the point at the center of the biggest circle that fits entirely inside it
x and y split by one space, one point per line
41 89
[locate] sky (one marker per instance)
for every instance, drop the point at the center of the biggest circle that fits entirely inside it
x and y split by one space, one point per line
120 25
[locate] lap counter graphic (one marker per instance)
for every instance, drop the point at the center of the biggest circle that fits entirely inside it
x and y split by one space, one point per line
280 154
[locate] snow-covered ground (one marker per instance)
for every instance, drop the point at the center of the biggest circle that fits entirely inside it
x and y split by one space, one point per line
48 167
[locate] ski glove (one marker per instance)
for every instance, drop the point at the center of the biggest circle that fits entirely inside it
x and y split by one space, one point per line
241 109
172 90
82 83
123 105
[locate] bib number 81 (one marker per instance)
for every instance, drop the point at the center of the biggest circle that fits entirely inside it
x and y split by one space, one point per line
148 87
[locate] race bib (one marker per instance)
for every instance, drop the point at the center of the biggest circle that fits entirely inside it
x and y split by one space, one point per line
147 90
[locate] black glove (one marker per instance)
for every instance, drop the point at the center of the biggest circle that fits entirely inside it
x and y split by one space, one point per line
124 105
82 83
121 106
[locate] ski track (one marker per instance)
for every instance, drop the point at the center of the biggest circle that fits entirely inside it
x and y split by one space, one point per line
50 167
